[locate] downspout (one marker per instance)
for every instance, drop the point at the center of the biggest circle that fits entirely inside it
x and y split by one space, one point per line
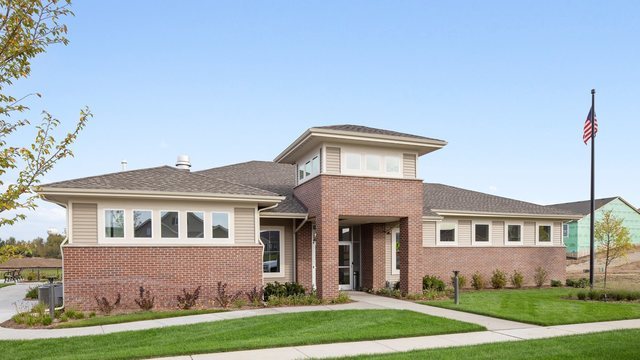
65 241
259 240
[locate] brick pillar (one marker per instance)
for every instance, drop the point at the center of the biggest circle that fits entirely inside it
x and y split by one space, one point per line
303 256
410 250
373 256
327 232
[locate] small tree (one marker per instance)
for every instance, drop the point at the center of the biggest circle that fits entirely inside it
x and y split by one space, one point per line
613 240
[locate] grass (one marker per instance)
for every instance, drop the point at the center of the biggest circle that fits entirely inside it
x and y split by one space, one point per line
620 344
540 306
138 316
5 285
317 327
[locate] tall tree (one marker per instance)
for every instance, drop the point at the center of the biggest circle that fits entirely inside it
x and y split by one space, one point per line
27 28
613 240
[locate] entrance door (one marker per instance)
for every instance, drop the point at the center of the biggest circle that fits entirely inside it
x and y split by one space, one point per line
345 265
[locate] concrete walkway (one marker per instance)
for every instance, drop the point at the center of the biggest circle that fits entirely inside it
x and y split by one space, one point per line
12 297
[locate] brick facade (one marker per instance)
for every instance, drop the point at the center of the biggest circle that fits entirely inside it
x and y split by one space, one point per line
330 197
303 256
165 271
373 253
441 261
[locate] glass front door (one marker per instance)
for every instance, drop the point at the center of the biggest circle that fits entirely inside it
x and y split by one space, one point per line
344 265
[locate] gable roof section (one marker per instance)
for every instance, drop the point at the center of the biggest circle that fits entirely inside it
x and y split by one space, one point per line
373 131
163 179
584 207
443 199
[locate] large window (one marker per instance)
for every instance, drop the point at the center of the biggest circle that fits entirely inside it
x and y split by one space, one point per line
353 161
481 233
309 168
514 233
220 225
395 251
169 224
392 164
195 224
272 257
372 162
114 223
544 233
142 224
447 232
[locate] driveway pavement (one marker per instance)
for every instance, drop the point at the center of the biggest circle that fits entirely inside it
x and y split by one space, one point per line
13 295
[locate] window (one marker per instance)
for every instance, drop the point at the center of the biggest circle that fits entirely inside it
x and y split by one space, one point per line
372 162
195 224
353 161
142 224
392 164
345 234
114 223
544 233
565 230
514 233
169 224
315 165
220 225
309 167
300 173
448 232
271 259
395 251
482 233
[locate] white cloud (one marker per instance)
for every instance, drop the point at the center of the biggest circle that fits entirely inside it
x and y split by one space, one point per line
45 216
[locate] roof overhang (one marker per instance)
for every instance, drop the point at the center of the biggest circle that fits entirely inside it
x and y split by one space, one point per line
55 194
506 215
315 136
276 215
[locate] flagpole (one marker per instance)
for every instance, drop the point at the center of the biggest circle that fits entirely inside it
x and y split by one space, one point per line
593 203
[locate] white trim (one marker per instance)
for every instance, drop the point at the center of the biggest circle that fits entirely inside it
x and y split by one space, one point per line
104 222
133 224
274 215
350 245
44 191
314 236
461 213
506 233
544 243
279 274
447 243
160 224
230 219
186 224
489 241
394 270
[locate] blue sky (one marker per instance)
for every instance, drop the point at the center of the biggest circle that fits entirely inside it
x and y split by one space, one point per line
505 83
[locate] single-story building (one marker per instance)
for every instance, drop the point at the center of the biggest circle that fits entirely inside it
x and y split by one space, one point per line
576 233
340 208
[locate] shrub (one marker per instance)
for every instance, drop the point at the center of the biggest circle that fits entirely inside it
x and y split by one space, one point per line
64 318
145 301
540 277
255 296
92 314
46 321
580 283
239 303
582 295
188 300
224 299
31 276
462 281
32 293
517 279
432 283
389 293
498 279
342 298
609 295
105 306
73 314
477 281
37 315
283 290
556 283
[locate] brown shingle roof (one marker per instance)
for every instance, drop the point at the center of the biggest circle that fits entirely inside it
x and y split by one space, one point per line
369 130
583 207
161 179
33 262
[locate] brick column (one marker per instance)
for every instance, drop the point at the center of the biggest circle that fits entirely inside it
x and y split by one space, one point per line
303 256
410 250
373 256
327 231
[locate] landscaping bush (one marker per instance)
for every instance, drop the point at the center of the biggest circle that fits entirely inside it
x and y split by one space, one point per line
389 293
556 283
239 303
255 296
32 293
73 314
31 276
540 277
432 283
297 299
342 298
35 316
188 300
145 301
582 295
477 281
580 283
517 279
462 281
609 295
223 298
283 290
105 306
498 279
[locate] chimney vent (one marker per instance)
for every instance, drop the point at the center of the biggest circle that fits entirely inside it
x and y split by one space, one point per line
183 162
124 164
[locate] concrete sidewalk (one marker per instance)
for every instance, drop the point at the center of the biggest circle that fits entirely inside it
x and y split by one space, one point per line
414 343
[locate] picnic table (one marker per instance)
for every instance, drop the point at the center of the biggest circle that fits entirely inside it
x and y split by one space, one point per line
12 275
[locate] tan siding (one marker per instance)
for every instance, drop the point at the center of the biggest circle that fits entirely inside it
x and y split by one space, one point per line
245 225
429 233
84 223
464 232
557 234
387 260
333 160
287 224
497 233
409 166
529 235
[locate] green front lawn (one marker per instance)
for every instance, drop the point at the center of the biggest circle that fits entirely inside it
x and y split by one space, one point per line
540 306
621 344
317 327
139 316
5 285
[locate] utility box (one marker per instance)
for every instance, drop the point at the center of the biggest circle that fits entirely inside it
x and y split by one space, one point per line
43 294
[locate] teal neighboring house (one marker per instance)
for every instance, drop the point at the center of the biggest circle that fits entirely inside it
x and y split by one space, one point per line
575 233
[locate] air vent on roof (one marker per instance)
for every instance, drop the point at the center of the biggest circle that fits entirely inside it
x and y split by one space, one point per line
183 162
124 164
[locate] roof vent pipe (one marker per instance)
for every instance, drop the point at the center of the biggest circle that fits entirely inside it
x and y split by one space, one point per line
183 162
123 163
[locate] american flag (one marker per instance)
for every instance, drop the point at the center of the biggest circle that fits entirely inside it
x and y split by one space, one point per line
586 135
